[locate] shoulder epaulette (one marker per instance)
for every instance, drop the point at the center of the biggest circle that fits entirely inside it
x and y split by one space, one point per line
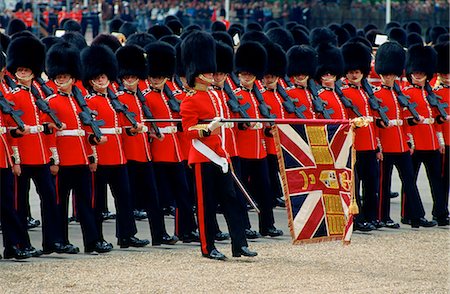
320 91
190 92
236 90
376 89
177 92
146 91
407 88
438 88
345 87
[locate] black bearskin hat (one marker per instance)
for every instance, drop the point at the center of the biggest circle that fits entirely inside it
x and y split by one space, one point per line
107 40
369 27
115 25
161 59
2 60
322 35
350 28
253 26
443 58
330 61
224 57
179 69
72 26
255 36
176 26
414 27
223 37
300 37
170 18
14 26
198 52
63 58
4 41
389 26
302 60
140 39
276 60
270 25
435 32
26 52
420 58
49 41
390 59
342 35
127 29
173 40
75 39
251 57
281 37
360 39
97 60
356 56
413 38
398 35
132 62
159 31
218 26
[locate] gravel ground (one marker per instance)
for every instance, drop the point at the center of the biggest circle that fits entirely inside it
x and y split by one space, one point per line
404 261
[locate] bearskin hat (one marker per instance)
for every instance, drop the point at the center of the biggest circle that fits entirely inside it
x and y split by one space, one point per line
398 35
224 57
302 60
290 24
127 29
115 25
369 27
255 36
159 31
63 58
171 39
330 61
176 26
300 37
140 39
389 26
420 58
253 26
72 26
193 27
4 41
2 60
350 28
414 27
342 36
27 34
443 58
270 25
360 39
435 32
107 40
413 38
218 26
443 38
322 35
356 56
26 52
14 26
232 31
251 57
198 52
300 27
276 60
179 69
161 59
49 41
97 60
390 59
223 37
281 37
75 39
371 36
170 18
132 62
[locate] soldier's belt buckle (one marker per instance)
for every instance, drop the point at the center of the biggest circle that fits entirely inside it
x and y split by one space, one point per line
118 131
228 125
2 130
39 128
257 126
80 132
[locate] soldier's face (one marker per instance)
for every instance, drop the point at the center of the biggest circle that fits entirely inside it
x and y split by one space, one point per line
354 76
445 78
100 83
270 81
130 81
328 80
23 73
419 78
247 79
219 78
64 81
388 80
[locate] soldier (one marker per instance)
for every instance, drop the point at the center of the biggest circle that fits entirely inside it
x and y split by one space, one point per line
389 64
32 155
212 174
99 68
420 67
132 68
250 62
166 150
64 68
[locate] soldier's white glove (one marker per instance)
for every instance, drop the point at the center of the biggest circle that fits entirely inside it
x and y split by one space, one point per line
215 124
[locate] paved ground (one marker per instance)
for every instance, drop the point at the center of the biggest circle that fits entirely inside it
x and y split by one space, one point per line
385 261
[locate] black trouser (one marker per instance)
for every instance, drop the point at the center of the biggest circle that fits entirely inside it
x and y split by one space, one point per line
411 202
255 176
14 232
117 178
366 171
236 162
212 187
143 188
433 167
446 174
79 179
171 182
45 188
274 169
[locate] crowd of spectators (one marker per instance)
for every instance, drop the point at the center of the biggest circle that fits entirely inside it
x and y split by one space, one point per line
311 13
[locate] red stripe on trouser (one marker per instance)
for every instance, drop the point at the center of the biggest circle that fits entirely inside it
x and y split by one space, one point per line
200 208
58 201
380 202
93 192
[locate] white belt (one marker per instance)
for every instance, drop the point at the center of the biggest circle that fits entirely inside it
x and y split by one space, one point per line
36 129
168 130
228 125
211 155
111 131
428 121
396 122
72 133
369 118
257 126
2 130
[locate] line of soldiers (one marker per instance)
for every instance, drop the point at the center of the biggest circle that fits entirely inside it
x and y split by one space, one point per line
89 125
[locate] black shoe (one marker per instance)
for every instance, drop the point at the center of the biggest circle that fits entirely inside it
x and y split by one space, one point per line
169 211
405 221
393 195
220 236
72 249
32 223
251 234
423 222
59 248
99 247
377 224
139 214
363 227
108 215
272 232
390 224
442 221
279 202
170 240
73 219
16 253
244 251
132 242
215 254
33 251
190 237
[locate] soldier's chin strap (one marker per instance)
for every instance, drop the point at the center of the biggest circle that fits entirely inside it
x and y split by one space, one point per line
64 85
98 86
25 79
132 84
272 85
332 79
356 81
159 86
302 82
205 79
417 80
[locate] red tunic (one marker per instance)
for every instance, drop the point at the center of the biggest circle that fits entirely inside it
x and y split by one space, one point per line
328 95
424 133
393 138
304 98
274 100
444 92
185 142
365 137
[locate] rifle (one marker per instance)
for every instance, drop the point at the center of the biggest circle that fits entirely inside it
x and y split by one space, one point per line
262 106
87 115
174 104
289 105
6 108
42 104
288 81
347 102
433 99
375 102
233 102
122 108
404 102
319 104
10 82
178 82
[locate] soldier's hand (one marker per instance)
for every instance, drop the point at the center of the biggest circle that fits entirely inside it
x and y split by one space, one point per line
380 156
53 126
442 149
26 131
216 131
411 151
16 170
138 129
93 167
54 169
103 140
154 136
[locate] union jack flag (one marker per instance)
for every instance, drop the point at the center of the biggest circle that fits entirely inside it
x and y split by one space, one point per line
316 171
